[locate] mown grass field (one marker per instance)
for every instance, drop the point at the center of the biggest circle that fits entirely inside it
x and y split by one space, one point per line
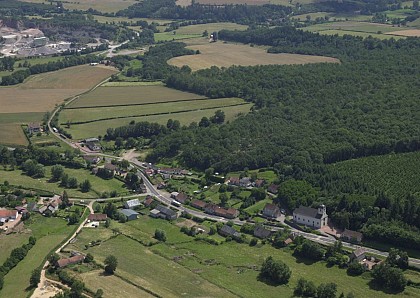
132 94
105 19
99 185
91 114
100 5
210 27
225 55
168 36
49 233
225 270
10 242
27 102
81 131
396 174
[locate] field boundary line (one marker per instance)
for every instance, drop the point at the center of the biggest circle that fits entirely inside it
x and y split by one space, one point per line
138 104
154 114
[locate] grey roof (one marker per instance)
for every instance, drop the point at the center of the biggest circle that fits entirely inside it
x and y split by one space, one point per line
261 232
307 211
165 210
230 231
128 212
133 203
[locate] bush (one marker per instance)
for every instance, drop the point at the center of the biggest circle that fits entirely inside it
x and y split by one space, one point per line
389 277
276 271
305 288
328 290
355 269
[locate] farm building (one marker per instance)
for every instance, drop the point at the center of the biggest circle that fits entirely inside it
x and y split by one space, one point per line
93 146
271 211
261 232
358 255
34 128
97 217
273 188
219 211
61 263
163 212
352 236
228 231
6 215
92 159
131 214
132 204
148 201
198 204
315 218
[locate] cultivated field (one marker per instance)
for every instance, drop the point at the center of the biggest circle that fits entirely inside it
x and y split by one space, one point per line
411 32
101 5
132 94
168 36
225 55
81 131
27 102
49 233
102 113
104 19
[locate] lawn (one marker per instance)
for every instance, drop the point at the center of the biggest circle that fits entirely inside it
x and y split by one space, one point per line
99 128
131 94
49 233
226 54
92 114
98 184
396 174
210 27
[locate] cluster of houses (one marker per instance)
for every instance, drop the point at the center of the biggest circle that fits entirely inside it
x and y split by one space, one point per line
214 209
93 144
160 211
166 173
51 205
74 259
245 182
368 262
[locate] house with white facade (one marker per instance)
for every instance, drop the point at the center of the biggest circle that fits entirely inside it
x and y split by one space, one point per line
311 217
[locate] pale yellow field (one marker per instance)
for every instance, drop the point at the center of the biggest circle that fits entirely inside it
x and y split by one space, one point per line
225 55
412 32
101 5
12 134
40 93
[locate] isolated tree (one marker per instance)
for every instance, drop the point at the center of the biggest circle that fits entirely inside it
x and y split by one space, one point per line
72 182
328 290
85 186
160 235
355 268
73 219
397 258
35 277
65 180
107 223
111 263
56 172
305 288
276 271
65 199
204 122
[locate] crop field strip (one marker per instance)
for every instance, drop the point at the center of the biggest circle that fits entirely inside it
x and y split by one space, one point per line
147 110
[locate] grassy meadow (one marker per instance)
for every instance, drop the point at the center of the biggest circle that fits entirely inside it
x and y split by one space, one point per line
100 5
183 266
49 233
226 54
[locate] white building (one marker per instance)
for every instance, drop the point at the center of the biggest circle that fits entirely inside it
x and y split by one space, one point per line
311 217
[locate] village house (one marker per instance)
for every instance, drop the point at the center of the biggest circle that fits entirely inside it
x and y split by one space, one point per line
161 185
97 217
148 201
351 236
61 263
228 231
214 209
163 212
131 204
52 204
198 204
8 215
91 159
180 197
273 188
131 214
170 171
261 232
311 217
370 263
271 211
34 128
93 146
245 182
358 255
234 181
258 183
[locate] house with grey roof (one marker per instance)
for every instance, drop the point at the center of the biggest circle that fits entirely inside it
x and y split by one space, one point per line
131 204
261 232
131 214
228 231
311 217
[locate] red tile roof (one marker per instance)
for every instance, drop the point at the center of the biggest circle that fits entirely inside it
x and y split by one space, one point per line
8 213
73 260
97 217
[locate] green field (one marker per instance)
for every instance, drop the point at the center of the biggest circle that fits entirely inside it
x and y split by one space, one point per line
396 174
102 5
11 241
96 114
132 94
104 19
49 233
228 269
81 131
167 36
210 27
99 185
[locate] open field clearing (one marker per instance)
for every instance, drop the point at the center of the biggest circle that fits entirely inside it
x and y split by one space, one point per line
112 285
153 272
100 5
210 27
334 16
168 36
102 113
81 131
99 185
104 19
254 2
411 32
132 84
225 55
361 34
396 174
353 26
49 233
10 242
137 94
12 134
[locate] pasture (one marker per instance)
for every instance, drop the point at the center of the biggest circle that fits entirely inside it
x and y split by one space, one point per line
81 131
27 102
210 27
173 35
408 32
105 19
101 113
396 174
49 233
129 95
100 5
226 54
